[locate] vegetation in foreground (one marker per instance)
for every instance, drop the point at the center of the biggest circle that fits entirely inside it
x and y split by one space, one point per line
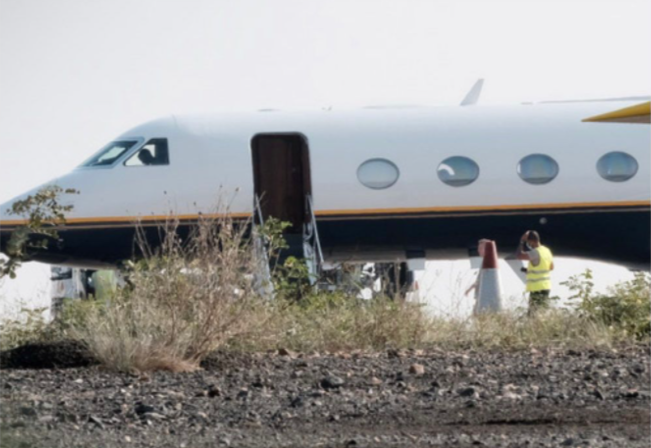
42 212
188 298
178 310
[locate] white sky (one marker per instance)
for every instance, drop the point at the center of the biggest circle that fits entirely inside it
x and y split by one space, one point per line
75 73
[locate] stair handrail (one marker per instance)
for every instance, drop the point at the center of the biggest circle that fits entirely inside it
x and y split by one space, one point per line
315 230
257 210
260 247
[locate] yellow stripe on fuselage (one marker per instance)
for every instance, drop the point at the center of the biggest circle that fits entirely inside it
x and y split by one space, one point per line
487 208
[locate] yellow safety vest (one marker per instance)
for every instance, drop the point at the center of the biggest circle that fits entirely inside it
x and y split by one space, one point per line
538 277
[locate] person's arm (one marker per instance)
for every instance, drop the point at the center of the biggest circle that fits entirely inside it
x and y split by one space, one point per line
522 253
551 266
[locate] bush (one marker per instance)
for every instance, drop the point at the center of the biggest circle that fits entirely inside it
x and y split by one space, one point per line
625 308
31 326
185 299
28 326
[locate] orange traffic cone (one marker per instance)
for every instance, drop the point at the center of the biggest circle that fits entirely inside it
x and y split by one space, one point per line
489 289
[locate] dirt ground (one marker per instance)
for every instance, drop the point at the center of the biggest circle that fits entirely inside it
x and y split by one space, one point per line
389 399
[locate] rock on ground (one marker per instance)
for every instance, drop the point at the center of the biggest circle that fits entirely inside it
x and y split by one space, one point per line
539 398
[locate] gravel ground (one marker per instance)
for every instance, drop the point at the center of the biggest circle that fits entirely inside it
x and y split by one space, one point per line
412 398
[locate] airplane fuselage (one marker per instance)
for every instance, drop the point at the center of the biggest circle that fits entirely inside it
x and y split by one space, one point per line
521 167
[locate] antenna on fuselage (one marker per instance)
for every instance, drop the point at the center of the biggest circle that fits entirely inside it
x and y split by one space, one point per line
472 97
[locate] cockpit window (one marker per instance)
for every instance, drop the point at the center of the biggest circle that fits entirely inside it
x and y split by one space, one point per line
110 153
154 152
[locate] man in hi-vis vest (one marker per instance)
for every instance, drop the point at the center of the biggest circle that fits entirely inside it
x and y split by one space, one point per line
541 264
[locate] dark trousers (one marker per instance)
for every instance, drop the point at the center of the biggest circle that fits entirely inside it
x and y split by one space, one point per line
538 300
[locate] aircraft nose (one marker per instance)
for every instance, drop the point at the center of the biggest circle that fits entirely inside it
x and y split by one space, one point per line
7 218
4 213
4 230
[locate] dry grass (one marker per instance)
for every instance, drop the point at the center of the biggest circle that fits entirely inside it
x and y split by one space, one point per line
353 325
512 331
328 322
186 299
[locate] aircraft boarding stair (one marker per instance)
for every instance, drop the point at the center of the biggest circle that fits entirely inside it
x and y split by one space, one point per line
304 246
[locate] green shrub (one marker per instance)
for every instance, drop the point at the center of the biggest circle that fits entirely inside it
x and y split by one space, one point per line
625 308
28 326
42 213
31 325
75 314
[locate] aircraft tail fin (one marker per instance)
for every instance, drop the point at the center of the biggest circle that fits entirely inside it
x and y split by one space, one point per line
472 97
640 113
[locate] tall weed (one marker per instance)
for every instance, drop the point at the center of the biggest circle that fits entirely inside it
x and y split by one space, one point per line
187 297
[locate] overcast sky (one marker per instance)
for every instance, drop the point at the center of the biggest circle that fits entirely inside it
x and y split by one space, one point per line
76 73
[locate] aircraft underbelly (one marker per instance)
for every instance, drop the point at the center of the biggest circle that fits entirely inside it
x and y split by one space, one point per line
619 236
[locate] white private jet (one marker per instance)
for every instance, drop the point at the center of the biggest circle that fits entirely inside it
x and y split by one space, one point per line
378 184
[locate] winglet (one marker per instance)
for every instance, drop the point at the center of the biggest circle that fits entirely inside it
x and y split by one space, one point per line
473 96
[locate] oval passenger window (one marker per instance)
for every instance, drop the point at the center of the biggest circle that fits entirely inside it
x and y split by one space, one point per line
617 166
458 171
378 173
537 169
